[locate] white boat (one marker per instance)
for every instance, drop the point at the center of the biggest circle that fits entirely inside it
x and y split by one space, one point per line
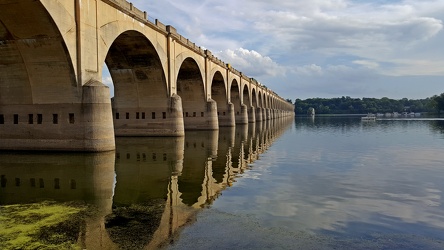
369 117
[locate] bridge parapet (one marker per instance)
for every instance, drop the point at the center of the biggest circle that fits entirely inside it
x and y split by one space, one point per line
214 59
160 25
184 41
132 11
244 77
125 5
233 70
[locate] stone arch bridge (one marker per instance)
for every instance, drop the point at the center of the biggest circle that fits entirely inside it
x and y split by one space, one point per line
52 54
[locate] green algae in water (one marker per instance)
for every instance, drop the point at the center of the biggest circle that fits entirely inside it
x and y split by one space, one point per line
47 225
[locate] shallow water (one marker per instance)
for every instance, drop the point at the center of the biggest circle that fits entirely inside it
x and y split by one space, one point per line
323 183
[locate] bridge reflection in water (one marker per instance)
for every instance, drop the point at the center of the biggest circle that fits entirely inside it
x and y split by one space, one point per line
147 189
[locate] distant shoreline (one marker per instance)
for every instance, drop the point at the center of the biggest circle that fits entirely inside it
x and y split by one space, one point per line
423 114
329 115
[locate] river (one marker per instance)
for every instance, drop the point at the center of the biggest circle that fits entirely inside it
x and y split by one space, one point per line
322 183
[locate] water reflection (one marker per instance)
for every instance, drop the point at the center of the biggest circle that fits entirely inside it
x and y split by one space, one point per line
437 126
334 183
62 177
144 169
147 189
357 178
34 177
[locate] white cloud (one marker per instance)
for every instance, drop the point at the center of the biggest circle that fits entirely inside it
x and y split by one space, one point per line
367 64
251 62
308 70
107 80
322 43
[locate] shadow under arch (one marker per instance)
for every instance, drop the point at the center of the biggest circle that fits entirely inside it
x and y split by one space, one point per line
239 109
32 49
141 104
225 109
248 103
198 112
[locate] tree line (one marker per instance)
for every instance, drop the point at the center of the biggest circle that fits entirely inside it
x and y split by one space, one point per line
348 105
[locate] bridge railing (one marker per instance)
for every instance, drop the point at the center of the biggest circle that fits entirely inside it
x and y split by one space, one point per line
160 25
246 78
183 40
130 7
136 13
233 70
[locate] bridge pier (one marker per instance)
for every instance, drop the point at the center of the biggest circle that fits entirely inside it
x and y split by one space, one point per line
227 118
161 121
258 114
85 126
242 117
212 121
252 115
207 120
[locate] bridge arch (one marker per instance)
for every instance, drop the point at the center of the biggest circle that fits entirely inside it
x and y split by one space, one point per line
141 99
191 88
219 94
218 89
247 100
254 101
259 98
182 65
261 105
32 49
256 109
112 26
42 104
236 98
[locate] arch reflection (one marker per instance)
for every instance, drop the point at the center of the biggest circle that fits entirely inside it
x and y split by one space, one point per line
147 189
63 178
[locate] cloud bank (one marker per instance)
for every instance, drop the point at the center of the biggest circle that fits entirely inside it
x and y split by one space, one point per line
321 47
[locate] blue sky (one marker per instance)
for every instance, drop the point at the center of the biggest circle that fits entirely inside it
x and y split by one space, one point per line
320 48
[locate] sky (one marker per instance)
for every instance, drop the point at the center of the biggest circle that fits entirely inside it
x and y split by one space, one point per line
320 48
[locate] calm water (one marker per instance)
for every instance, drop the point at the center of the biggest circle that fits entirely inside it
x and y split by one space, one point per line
327 183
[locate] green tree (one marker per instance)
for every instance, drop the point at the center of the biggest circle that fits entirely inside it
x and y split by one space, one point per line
438 102
348 105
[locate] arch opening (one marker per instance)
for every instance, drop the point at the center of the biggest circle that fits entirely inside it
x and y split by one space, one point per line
219 95
43 104
31 51
235 97
246 97
190 87
240 111
136 72
254 99
218 91
140 100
